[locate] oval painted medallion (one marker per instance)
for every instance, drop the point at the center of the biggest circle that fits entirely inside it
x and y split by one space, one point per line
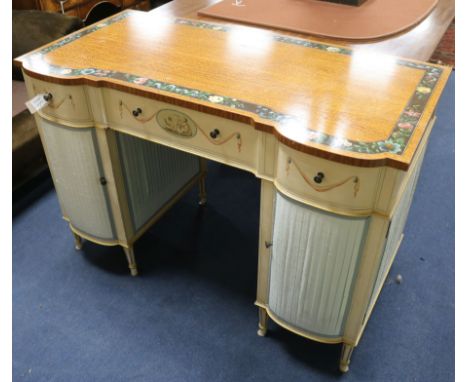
176 123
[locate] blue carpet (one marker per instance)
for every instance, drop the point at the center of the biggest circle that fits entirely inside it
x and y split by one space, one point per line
189 316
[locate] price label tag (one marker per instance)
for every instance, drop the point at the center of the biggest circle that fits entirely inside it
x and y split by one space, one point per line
36 103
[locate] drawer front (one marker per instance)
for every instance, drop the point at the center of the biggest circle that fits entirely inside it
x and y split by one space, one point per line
206 135
68 103
328 184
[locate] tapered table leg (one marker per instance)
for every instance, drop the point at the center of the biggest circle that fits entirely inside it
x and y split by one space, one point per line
201 183
202 199
346 357
262 322
131 260
78 241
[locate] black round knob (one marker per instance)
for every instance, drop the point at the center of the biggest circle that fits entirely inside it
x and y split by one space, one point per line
136 112
102 180
48 97
319 177
214 134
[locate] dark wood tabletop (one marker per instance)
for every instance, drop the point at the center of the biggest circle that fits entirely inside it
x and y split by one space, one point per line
417 43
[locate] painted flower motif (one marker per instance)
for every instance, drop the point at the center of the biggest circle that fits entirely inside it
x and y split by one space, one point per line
65 71
388 146
102 73
423 90
340 142
215 99
101 25
431 77
333 49
313 135
405 125
88 71
412 113
140 80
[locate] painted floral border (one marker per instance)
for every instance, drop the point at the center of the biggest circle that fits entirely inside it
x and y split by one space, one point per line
395 143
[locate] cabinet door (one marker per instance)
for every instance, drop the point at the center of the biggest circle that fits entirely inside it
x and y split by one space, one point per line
315 256
76 169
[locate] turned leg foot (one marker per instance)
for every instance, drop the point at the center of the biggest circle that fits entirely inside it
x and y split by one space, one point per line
346 357
201 183
78 241
262 322
131 260
202 191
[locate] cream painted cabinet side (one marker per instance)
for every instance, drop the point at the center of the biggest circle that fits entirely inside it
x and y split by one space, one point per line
395 230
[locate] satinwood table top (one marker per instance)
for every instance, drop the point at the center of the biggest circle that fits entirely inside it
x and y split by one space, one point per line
354 107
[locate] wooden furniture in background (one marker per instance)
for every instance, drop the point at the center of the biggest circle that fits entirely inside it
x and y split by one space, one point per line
81 8
418 43
337 143
326 19
25 4
347 2
445 51
30 30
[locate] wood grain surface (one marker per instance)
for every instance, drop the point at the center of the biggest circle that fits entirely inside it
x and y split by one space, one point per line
354 107
418 43
324 18
82 8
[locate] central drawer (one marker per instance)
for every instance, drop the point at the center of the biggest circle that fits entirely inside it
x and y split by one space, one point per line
209 136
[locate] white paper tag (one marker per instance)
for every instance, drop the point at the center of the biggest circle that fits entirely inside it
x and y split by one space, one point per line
36 103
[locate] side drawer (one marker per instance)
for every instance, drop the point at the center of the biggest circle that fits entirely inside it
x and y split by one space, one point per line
206 135
325 183
68 103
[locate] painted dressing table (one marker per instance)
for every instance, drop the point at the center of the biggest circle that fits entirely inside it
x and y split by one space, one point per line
137 102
